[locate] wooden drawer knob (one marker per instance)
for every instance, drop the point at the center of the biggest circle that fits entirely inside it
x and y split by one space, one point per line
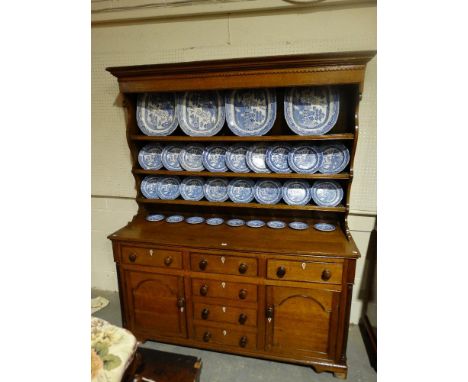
326 274
243 342
132 257
242 294
168 261
242 318
206 336
243 268
204 290
204 314
203 264
181 302
281 271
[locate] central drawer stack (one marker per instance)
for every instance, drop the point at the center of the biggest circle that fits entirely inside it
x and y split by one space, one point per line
224 301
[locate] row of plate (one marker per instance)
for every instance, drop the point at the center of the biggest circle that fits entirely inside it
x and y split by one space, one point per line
248 112
324 193
255 223
327 158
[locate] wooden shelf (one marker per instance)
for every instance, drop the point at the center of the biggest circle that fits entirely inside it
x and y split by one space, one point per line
280 206
242 175
234 138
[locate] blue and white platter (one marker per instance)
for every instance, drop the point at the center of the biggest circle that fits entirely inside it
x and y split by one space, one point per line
324 227
201 113
170 157
149 156
191 157
277 158
175 219
311 110
156 113
255 223
214 221
149 186
191 188
250 112
241 190
214 158
298 225
195 220
216 190
236 158
235 222
296 192
305 159
327 193
256 158
168 188
277 224
267 191
335 158
155 217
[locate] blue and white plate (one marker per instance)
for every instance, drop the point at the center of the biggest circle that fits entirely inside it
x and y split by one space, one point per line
170 157
278 224
155 217
311 110
168 188
256 158
298 225
191 188
214 158
191 157
214 221
149 156
175 219
236 158
250 111
216 190
201 113
149 186
305 159
335 158
255 223
277 158
235 222
327 193
268 191
241 190
156 113
195 220
324 227
296 192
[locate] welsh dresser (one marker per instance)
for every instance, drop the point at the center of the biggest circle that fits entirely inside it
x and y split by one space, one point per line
283 295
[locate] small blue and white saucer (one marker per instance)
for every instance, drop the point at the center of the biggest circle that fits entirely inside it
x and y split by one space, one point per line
255 223
277 158
268 191
277 224
241 190
324 227
216 190
168 188
214 221
155 217
214 158
327 193
191 188
195 220
236 158
149 187
235 222
149 156
191 157
170 157
298 225
175 219
296 192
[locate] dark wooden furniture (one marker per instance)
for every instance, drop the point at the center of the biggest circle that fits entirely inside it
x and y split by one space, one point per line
283 295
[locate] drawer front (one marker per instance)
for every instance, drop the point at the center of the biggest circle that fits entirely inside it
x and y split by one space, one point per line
151 256
228 314
232 265
304 271
235 338
224 289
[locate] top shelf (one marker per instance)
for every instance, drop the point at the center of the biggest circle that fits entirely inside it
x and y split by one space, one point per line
235 138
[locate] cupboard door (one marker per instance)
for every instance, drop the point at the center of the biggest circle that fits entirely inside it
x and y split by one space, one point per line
301 322
157 303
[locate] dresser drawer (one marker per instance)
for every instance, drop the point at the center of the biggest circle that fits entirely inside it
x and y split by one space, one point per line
304 271
236 338
224 289
150 256
228 314
232 265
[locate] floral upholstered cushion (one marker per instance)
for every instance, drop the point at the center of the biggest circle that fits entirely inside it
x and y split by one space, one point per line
112 350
